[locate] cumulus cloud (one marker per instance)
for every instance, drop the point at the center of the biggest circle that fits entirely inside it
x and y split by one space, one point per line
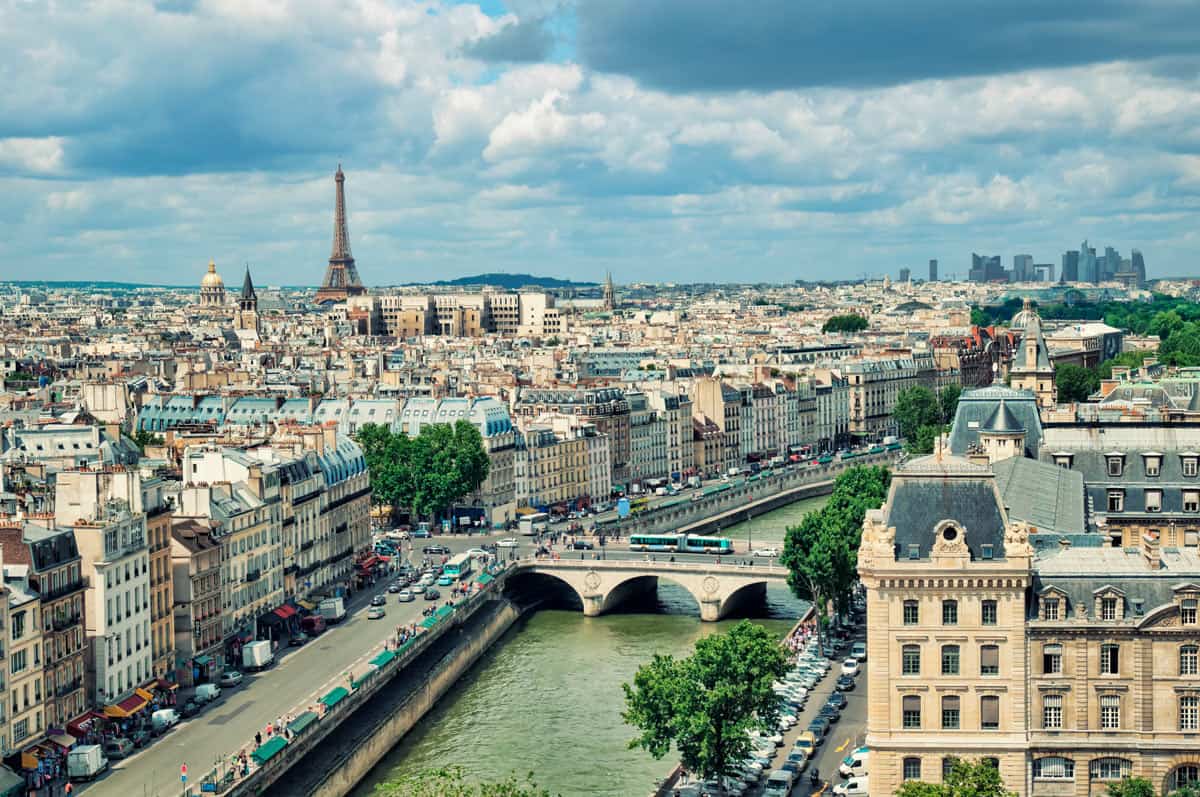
522 40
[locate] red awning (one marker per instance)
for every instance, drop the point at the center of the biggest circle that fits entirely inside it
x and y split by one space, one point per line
285 611
384 559
368 563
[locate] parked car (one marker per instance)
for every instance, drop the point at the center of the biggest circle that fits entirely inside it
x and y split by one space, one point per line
855 787
206 693
859 651
508 542
230 678
583 545
190 708
436 550
421 534
837 699
432 594
378 600
297 639
845 683
850 667
118 748
141 737
376 613
405 596
768 553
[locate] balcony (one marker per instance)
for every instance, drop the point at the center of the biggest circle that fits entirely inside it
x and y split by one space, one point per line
304 546
63 623
68 688
253 575
65 589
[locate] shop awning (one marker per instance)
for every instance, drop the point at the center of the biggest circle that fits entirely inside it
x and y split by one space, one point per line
144 694
202 661
29 759
383 658
126 708
166 685
368 563
301 722
80 726
286 611
63 740
307 605
335 696
269 750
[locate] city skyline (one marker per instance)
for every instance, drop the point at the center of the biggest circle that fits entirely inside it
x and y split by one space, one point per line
531 136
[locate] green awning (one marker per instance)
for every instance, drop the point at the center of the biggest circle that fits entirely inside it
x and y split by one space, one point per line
383 658
269 750
443 612
298 725
203 661
335 696
429 622
486 578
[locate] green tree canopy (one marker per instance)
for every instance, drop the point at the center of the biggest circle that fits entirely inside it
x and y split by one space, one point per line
845 323
1132 787
948 400
1075 383
916 407
705 704
966 779
426 473
451 783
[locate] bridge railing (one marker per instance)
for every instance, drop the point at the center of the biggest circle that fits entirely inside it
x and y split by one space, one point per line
657 565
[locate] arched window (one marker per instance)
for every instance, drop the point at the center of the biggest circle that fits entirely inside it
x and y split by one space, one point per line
1111 768
1186 775
1053 768
1189 660
912 768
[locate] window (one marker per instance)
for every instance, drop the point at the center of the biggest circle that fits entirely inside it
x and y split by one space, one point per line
1050 608
1110 712
1187 612
1189 466
951 712
1110 659
1111 768
912 613
1189 713
1115 466
1054 768
989 660
912 768
1116 500
989 712
1186 775
985 551
1051 659
1189 659
1154 500
988 613
948 766
949 612
1153 465
950 659
1052 712
1108 608
1191 501
910 659
911 711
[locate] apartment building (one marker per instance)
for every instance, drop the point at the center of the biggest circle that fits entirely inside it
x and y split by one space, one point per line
722 404
162 600
552 469
464 314
676 411
26 723
647 439
832 410
873 387
55 575
196 576
605 408
708 446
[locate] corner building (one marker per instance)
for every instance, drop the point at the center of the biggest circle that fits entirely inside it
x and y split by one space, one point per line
946 572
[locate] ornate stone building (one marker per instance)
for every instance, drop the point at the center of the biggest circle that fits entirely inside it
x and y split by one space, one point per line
212 288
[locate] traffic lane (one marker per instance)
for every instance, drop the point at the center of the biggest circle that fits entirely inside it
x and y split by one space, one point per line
849 732
298 680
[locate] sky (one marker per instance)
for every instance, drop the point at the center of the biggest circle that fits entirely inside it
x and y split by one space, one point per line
661 140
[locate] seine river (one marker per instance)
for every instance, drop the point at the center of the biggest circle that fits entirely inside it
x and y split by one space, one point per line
547 698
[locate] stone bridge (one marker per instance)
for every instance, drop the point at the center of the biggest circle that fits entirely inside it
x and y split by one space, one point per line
604 584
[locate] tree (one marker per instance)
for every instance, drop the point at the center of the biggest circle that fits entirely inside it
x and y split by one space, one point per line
142 438
1190 790
916 407
450 783
925 439
965 779
948 401
845 323
1075 383
1132 787
705 704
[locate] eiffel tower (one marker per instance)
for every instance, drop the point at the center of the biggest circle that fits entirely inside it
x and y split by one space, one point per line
341 277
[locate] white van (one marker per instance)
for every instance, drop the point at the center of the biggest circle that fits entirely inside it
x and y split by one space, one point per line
206 693
779 784
855 764
164 719
855 787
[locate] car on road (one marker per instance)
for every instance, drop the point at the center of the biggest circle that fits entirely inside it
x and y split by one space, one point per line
768 553
432 594
190 708
508 542
477 553
405 596
845 683
298 639
376 613
837 699
230 678
395 587
583 545
445 581
378 600
850 667
427 580
832 712
420 534
436 550
859 651
118 748
855 787
854 764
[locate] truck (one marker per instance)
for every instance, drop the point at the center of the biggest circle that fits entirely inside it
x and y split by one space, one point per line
257 655
86 762
313 625
333 610
693 481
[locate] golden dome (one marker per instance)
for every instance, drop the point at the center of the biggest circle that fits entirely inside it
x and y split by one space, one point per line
212 279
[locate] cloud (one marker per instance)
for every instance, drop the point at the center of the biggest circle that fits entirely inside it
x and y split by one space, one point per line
520 41
710 45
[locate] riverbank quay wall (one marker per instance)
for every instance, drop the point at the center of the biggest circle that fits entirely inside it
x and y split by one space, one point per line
734 502
334 766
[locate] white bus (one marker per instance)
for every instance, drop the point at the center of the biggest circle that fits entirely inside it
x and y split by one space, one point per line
534 524
458 567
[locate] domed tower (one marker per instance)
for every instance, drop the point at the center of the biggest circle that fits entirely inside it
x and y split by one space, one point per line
212 288
1002 436
1031 367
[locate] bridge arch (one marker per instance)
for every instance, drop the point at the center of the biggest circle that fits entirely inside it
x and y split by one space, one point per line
638 584
528 587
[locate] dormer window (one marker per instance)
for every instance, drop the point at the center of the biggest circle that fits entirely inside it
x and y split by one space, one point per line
1116 464
1050 608
1063 460
1153 464
1190 468
1108 608
1187 611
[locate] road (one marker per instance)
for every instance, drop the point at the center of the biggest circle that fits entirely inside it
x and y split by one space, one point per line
301 676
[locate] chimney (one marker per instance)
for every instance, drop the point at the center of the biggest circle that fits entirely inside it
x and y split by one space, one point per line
1150 550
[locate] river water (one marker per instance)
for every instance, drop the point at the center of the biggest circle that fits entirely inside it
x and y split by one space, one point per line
547 697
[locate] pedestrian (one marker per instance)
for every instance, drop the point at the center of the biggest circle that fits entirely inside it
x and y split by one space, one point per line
258 738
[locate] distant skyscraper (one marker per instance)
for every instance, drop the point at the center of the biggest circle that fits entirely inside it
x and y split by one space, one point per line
1023 268
1110 265
341 277
1070 266
905 274
933 271
1138 265
1088 268
987 268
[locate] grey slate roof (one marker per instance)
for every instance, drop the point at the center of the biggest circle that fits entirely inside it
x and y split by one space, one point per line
1079 573
1020 361
928 490
975 407
1047 497
1002 420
